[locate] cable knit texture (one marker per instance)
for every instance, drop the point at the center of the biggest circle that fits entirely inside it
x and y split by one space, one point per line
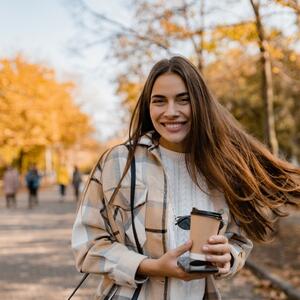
183 195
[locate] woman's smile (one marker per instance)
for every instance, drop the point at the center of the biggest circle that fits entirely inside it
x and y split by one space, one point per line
174 126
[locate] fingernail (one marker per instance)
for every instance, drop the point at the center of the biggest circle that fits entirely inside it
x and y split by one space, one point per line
205 248
208 257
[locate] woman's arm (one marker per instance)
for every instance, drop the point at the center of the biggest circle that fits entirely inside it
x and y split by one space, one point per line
95 247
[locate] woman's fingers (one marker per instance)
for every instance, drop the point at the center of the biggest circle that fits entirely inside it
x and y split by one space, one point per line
224 269
219 259
217 249
218 239
167 263
218 252
182 248
217 244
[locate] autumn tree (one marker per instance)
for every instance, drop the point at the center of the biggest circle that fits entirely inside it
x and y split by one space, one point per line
236 83
265 38
36 111
158 29
199 30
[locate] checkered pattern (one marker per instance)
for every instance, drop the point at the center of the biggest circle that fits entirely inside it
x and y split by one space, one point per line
102 238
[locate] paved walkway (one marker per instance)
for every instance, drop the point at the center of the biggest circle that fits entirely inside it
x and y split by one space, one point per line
36 260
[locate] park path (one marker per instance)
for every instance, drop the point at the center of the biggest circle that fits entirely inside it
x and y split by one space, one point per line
36 261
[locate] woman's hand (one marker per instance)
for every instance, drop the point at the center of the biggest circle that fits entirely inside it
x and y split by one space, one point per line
218 252
166 265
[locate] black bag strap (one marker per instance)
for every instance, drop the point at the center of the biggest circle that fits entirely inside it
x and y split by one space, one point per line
79 284
132 192
138 245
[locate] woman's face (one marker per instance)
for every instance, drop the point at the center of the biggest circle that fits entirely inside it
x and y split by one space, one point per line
170 111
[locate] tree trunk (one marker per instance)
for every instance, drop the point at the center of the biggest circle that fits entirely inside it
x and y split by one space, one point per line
20 161
266 84
201 46
198 45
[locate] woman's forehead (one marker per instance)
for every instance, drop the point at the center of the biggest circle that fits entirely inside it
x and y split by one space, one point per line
168 84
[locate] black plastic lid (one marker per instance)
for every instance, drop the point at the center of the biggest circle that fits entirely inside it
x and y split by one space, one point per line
210 214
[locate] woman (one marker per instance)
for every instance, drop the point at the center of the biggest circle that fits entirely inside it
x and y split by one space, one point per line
11 186
33 183
62 180
76 182
188 152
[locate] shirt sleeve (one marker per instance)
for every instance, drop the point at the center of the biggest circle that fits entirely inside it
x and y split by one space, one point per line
94 243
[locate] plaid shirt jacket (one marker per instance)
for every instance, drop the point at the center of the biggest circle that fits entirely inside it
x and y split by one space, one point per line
102 238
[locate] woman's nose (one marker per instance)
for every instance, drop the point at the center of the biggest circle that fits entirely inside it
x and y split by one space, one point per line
171 109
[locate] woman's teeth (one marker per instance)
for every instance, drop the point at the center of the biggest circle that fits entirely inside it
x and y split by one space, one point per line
173 125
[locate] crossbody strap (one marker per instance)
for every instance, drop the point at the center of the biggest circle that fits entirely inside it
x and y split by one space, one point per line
79 284
132 192
138 245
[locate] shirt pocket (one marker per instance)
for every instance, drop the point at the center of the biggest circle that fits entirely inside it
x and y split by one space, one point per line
122 211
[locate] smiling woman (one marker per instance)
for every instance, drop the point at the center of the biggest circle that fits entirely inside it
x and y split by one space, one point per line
185 152
170 111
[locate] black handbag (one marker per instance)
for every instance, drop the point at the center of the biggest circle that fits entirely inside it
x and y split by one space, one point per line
139 248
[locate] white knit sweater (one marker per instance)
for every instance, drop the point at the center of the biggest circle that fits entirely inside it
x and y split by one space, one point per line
183 194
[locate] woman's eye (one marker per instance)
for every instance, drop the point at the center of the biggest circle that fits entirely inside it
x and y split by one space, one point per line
184 100
157 101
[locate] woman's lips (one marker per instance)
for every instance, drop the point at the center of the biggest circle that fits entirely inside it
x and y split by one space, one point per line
174 126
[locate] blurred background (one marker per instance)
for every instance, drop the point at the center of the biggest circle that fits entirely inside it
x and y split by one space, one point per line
70 74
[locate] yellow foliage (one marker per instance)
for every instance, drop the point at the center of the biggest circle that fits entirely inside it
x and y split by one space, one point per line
210 46
244 33
171 28
275 52
288 3
275 70
293 57
129 90
35 109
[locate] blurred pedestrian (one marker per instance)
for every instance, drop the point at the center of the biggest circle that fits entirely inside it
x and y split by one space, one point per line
63 180
11 185
33 183
76 181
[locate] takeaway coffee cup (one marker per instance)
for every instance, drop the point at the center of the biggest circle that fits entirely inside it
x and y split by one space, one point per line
204 224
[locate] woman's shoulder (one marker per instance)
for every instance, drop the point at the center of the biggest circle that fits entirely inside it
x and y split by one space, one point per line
107 161
120 152
116 157
117 152
112 156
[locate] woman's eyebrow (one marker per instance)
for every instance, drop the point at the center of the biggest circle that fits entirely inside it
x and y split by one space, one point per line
178 95
182 94
158 96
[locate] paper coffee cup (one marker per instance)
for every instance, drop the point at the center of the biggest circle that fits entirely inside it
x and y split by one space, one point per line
204 224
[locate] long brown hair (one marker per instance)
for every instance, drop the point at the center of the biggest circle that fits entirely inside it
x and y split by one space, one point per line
256 184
